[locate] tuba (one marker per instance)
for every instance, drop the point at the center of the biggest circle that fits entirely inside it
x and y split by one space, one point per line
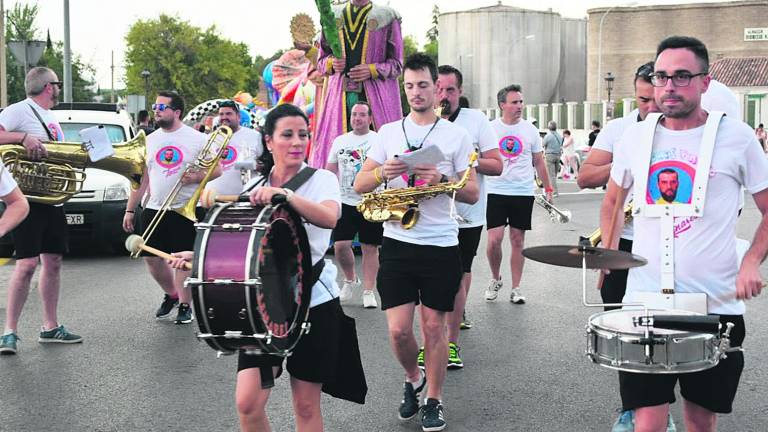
555 214
403 204
207 160
61 174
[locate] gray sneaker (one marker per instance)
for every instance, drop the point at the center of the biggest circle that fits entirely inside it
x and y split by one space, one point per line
184 315
8 344
493 290
59 335
516 297
432 418
409 406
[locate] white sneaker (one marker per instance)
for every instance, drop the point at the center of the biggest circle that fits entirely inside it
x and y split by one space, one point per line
347 290
369 299
516 297
493 290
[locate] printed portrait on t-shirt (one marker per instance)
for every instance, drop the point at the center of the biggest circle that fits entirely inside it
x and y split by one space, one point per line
229 158
510 147
350 162
169 157
416 145
670 182
56 132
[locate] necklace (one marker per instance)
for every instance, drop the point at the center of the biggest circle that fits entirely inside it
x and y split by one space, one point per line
408 142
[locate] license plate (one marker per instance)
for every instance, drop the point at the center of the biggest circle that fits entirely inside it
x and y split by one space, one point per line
75 219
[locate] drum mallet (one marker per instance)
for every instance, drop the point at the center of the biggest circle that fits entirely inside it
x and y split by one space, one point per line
134 243
209 197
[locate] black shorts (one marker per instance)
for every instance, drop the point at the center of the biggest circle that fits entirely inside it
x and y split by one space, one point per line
44 231
316 355
469 239
615 282
174 232
512 210
352 222
713 389
410 273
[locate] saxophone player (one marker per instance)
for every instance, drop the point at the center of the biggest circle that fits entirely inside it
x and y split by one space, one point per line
43 236
422 264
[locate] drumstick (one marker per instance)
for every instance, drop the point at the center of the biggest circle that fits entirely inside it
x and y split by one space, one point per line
617 206
209 197
135 243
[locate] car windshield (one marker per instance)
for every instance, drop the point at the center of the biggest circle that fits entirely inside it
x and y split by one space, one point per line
72 132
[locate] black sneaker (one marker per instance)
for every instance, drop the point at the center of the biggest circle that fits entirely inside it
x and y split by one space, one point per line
432 416
409 406
185 314
166 307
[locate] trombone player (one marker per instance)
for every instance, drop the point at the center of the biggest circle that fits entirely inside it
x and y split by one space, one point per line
170 149
43 236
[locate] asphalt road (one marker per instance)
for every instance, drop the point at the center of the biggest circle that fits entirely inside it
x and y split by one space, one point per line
525 364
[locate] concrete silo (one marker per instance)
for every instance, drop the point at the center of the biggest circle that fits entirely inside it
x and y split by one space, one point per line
499 45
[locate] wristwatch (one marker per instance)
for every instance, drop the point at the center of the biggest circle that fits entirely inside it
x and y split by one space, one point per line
443 178
288 194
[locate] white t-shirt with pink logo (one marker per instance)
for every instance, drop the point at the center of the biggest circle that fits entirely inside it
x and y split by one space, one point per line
705 247
19 117
517 143
244 145
168 154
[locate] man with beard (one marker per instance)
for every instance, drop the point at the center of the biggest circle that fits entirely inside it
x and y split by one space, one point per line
245 146
667 182
370 64
471 216
703 232
421 264
43 236
174 232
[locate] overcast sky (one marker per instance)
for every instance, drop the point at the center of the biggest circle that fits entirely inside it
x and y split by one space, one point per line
98 27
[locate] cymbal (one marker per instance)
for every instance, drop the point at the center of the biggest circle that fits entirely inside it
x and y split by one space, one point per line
597 258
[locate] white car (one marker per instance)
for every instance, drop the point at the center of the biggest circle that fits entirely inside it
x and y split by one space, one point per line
95 215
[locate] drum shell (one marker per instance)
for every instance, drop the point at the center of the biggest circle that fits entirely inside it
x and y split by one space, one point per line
615 344
226 280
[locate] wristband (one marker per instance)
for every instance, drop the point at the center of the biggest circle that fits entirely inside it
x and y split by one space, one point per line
443 178
130 211
378 175
288 194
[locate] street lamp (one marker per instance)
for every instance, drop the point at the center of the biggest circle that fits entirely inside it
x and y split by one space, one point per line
609 86
600 45
145 74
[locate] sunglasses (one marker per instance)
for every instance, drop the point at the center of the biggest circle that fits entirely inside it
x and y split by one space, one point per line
58 84
228 104
161 107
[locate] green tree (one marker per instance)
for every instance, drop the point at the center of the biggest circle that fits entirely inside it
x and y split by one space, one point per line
433 33
197 63
21 26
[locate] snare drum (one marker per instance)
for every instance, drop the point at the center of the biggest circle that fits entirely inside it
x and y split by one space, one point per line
614 341
251 279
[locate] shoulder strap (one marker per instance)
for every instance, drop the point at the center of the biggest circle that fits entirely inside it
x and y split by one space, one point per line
299 179
42 123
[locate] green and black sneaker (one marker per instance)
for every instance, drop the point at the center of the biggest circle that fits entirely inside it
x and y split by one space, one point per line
454 361
420 358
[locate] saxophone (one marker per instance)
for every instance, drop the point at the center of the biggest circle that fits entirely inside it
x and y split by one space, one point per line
403 204
596 237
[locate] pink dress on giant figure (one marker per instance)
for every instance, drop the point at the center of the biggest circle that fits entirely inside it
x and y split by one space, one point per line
370 36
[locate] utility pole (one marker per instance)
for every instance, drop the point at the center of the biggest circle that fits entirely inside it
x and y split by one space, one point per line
3 66
112 95
67 56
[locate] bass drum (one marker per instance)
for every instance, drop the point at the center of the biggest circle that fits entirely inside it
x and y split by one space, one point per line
251 279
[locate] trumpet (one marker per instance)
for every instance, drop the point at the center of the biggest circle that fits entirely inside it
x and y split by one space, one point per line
597 235
557 215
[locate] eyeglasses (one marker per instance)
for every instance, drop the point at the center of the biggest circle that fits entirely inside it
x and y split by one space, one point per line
161 107
679 79
58 84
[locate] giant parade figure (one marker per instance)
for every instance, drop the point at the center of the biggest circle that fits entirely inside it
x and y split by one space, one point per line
361 56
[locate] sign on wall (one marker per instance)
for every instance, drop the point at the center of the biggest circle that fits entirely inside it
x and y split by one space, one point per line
756 34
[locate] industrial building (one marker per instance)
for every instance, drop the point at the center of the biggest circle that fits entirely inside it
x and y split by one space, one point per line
500 45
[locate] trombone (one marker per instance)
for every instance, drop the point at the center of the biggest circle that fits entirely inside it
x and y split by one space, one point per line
207 160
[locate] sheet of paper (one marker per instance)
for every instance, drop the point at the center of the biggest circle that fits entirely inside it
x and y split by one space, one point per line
97 142
431 155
